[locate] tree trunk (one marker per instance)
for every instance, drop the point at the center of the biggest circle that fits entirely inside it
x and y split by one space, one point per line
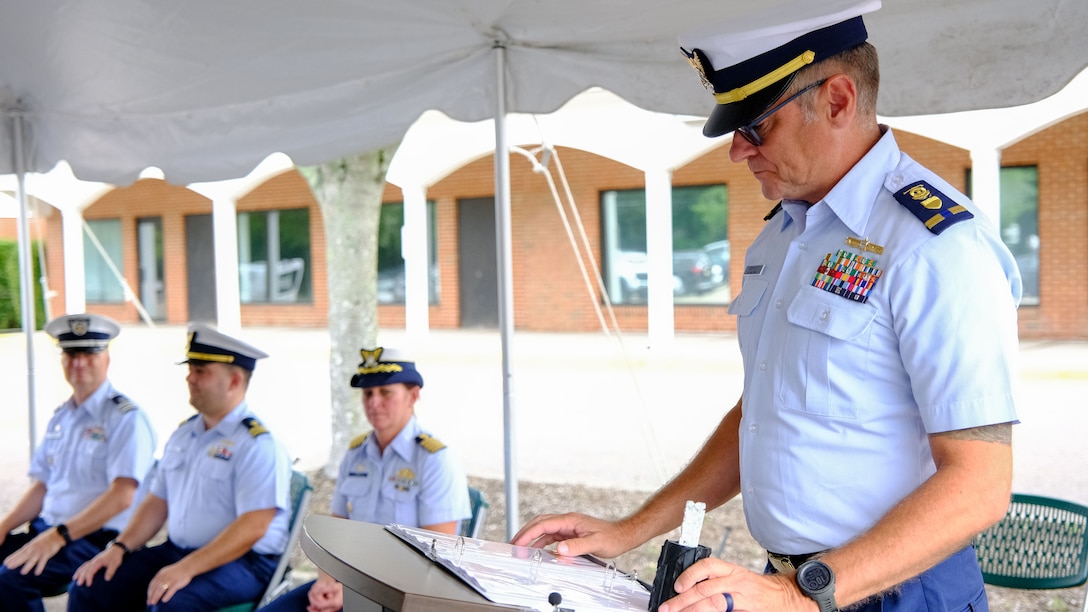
349 192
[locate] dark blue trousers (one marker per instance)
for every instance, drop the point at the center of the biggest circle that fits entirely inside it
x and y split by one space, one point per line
20 593
242 580
295 600
954 585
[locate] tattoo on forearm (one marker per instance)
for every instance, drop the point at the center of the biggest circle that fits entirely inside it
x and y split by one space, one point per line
1000 433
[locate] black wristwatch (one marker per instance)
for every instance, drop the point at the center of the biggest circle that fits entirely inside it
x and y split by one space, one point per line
119 544
62 529
817 582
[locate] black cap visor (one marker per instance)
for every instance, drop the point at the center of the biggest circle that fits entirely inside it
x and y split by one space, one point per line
726 118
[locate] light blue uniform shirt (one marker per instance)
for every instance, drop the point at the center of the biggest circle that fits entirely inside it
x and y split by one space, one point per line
210 477
839 395
87 447
408 485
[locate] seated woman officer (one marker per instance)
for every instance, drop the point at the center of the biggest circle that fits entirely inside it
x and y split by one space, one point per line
395 473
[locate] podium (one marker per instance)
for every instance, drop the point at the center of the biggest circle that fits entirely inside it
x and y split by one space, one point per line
381 573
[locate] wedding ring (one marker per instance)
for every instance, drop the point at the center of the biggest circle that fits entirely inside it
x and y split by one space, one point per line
166 586
728 602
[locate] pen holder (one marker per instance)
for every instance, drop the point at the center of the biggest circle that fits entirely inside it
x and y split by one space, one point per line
673 560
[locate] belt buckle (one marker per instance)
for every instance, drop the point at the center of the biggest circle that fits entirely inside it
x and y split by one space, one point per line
781 563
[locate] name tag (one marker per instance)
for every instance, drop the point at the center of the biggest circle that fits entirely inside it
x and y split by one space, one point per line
753 270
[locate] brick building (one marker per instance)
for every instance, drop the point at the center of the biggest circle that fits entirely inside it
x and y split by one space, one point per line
153 225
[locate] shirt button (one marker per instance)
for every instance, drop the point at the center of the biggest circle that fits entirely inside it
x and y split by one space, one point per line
763 365
778 305
897 181
754 428
749 489
825 315
803 246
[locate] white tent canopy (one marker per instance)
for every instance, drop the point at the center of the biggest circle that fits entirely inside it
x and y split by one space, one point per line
205 90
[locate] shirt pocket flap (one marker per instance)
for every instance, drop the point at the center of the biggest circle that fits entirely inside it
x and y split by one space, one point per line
750 294
827 313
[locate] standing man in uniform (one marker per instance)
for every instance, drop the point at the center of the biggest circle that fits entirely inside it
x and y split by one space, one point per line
877 322
222 491
396 473
97 448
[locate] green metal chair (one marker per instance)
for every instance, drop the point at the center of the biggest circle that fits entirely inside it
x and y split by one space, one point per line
475 524
301 492
1042 543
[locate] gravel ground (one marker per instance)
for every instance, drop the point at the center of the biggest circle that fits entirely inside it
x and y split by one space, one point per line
725 524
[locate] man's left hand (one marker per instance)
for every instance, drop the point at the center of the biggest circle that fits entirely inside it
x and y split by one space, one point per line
35 553
702 588
167 581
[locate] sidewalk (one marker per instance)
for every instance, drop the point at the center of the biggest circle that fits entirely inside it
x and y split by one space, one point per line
587 408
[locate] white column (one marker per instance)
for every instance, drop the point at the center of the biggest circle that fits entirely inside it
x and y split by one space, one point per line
75 274
225 231
414 245
659 257
986 182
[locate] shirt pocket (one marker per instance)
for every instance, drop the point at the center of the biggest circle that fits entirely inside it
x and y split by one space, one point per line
405 507
91 454
359 491
826 348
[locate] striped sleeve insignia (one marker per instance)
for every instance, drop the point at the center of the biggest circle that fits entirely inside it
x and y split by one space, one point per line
123 403
358 440
934 209
255 427
429 444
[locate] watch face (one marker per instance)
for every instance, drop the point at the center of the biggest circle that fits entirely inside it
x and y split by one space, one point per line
815 576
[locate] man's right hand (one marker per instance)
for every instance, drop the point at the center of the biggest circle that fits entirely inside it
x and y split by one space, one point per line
576 534
326 595
109 559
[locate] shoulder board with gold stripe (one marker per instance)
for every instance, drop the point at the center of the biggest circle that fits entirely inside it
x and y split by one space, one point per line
123 403
429 444
255 427
188 419
358 440
934 209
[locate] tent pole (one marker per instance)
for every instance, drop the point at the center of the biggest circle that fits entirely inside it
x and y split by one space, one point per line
506 286
26 283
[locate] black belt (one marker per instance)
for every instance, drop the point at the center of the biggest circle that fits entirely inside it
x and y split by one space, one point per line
787 563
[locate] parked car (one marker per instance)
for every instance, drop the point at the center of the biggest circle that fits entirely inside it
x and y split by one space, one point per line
718 252
630 268
692 272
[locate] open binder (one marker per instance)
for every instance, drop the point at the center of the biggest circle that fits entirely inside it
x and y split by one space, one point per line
526 577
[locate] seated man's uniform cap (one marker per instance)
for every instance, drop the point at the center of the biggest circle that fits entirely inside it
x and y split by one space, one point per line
383 366
83 333
750 62
207 344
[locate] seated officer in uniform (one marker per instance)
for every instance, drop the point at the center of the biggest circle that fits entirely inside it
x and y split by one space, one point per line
221 489
98 446
395 473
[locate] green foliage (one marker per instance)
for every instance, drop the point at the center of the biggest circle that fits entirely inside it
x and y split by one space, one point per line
10 297
699 216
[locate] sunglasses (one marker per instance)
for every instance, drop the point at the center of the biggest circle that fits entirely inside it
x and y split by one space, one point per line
749 133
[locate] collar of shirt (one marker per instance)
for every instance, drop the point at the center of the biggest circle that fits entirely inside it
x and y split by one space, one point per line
229 423
96 403
852 198
403 444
